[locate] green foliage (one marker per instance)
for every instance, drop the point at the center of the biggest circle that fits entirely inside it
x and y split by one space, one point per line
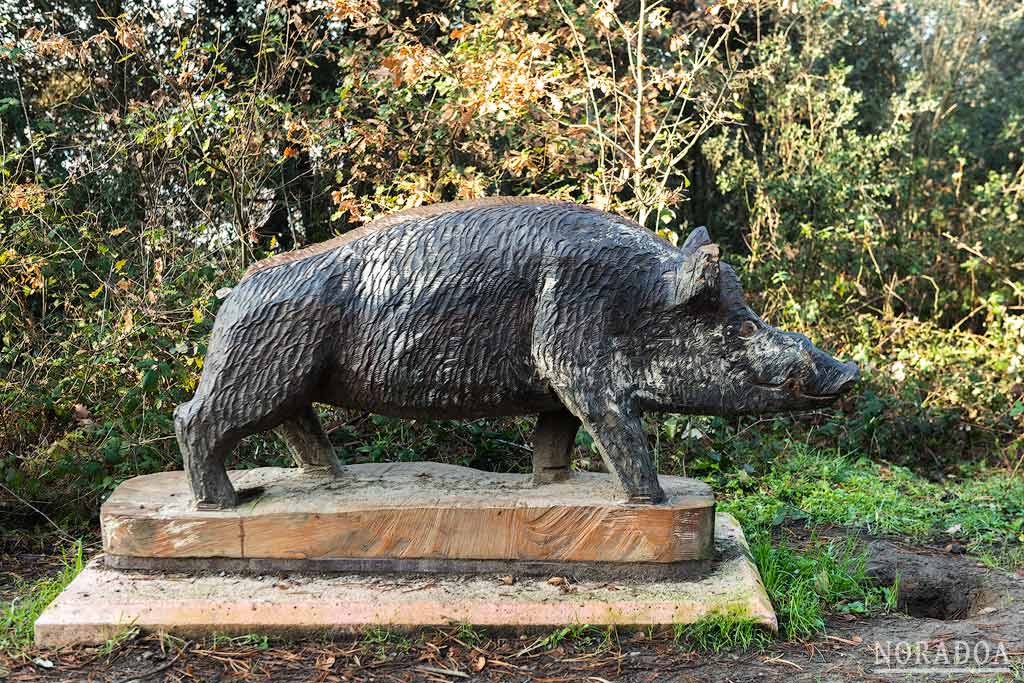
861 163
18 617
857 190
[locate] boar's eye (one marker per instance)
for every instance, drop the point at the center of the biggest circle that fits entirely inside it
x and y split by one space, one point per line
748 328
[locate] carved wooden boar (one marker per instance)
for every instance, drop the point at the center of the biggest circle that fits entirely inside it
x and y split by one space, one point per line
504 306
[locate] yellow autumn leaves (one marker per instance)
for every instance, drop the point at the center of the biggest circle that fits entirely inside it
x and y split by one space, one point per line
28 197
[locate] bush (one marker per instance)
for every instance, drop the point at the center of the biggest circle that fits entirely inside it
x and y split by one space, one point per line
859 160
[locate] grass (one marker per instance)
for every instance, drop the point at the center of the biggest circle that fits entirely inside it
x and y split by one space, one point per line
720 632
19 616
257 640
805 585
596 638
384 642
981 506
123 636
469 634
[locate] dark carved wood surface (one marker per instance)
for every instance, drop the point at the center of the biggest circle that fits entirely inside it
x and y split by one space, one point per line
494 307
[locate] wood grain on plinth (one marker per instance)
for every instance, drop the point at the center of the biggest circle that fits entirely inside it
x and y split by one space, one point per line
410 511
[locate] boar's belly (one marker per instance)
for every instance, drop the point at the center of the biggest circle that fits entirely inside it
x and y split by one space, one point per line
413 381
421 355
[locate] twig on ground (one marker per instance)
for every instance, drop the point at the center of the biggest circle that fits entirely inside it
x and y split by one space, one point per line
138 678
442 672
780 660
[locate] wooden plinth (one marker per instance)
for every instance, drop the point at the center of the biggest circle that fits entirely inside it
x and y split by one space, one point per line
102 602
405 517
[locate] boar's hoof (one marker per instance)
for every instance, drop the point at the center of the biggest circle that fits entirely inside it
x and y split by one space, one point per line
552 446
308 443
215 493
646 499
213 505
550 475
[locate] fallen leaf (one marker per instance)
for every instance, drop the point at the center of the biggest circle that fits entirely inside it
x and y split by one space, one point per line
81 413
479 663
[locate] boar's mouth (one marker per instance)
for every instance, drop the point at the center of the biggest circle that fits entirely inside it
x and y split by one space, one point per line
793 388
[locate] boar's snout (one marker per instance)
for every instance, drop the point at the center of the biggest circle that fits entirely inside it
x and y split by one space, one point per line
845 379
833 378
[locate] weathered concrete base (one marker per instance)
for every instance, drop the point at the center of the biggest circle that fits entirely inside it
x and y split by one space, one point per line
102 601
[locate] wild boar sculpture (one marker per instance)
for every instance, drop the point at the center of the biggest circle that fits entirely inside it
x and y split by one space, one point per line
502 306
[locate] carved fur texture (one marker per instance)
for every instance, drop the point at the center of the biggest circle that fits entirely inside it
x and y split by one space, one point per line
486 308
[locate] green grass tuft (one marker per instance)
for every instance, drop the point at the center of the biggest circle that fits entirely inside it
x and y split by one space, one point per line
719 632
469 634
982 505
384 641
19 616
805 585
584 636
259 641
124 635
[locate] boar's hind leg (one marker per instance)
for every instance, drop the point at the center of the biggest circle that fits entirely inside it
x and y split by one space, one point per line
234 400
618 432
552 446
203 443
307 442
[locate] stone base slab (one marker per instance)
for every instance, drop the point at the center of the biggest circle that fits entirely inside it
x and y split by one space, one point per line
103 601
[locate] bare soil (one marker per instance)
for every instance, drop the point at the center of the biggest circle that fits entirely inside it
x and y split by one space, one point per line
947 600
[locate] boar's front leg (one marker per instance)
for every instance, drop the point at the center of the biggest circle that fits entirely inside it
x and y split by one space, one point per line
308 443
571 352
618 433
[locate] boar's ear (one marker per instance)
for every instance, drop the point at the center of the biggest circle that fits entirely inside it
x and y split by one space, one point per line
697 238
695 279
